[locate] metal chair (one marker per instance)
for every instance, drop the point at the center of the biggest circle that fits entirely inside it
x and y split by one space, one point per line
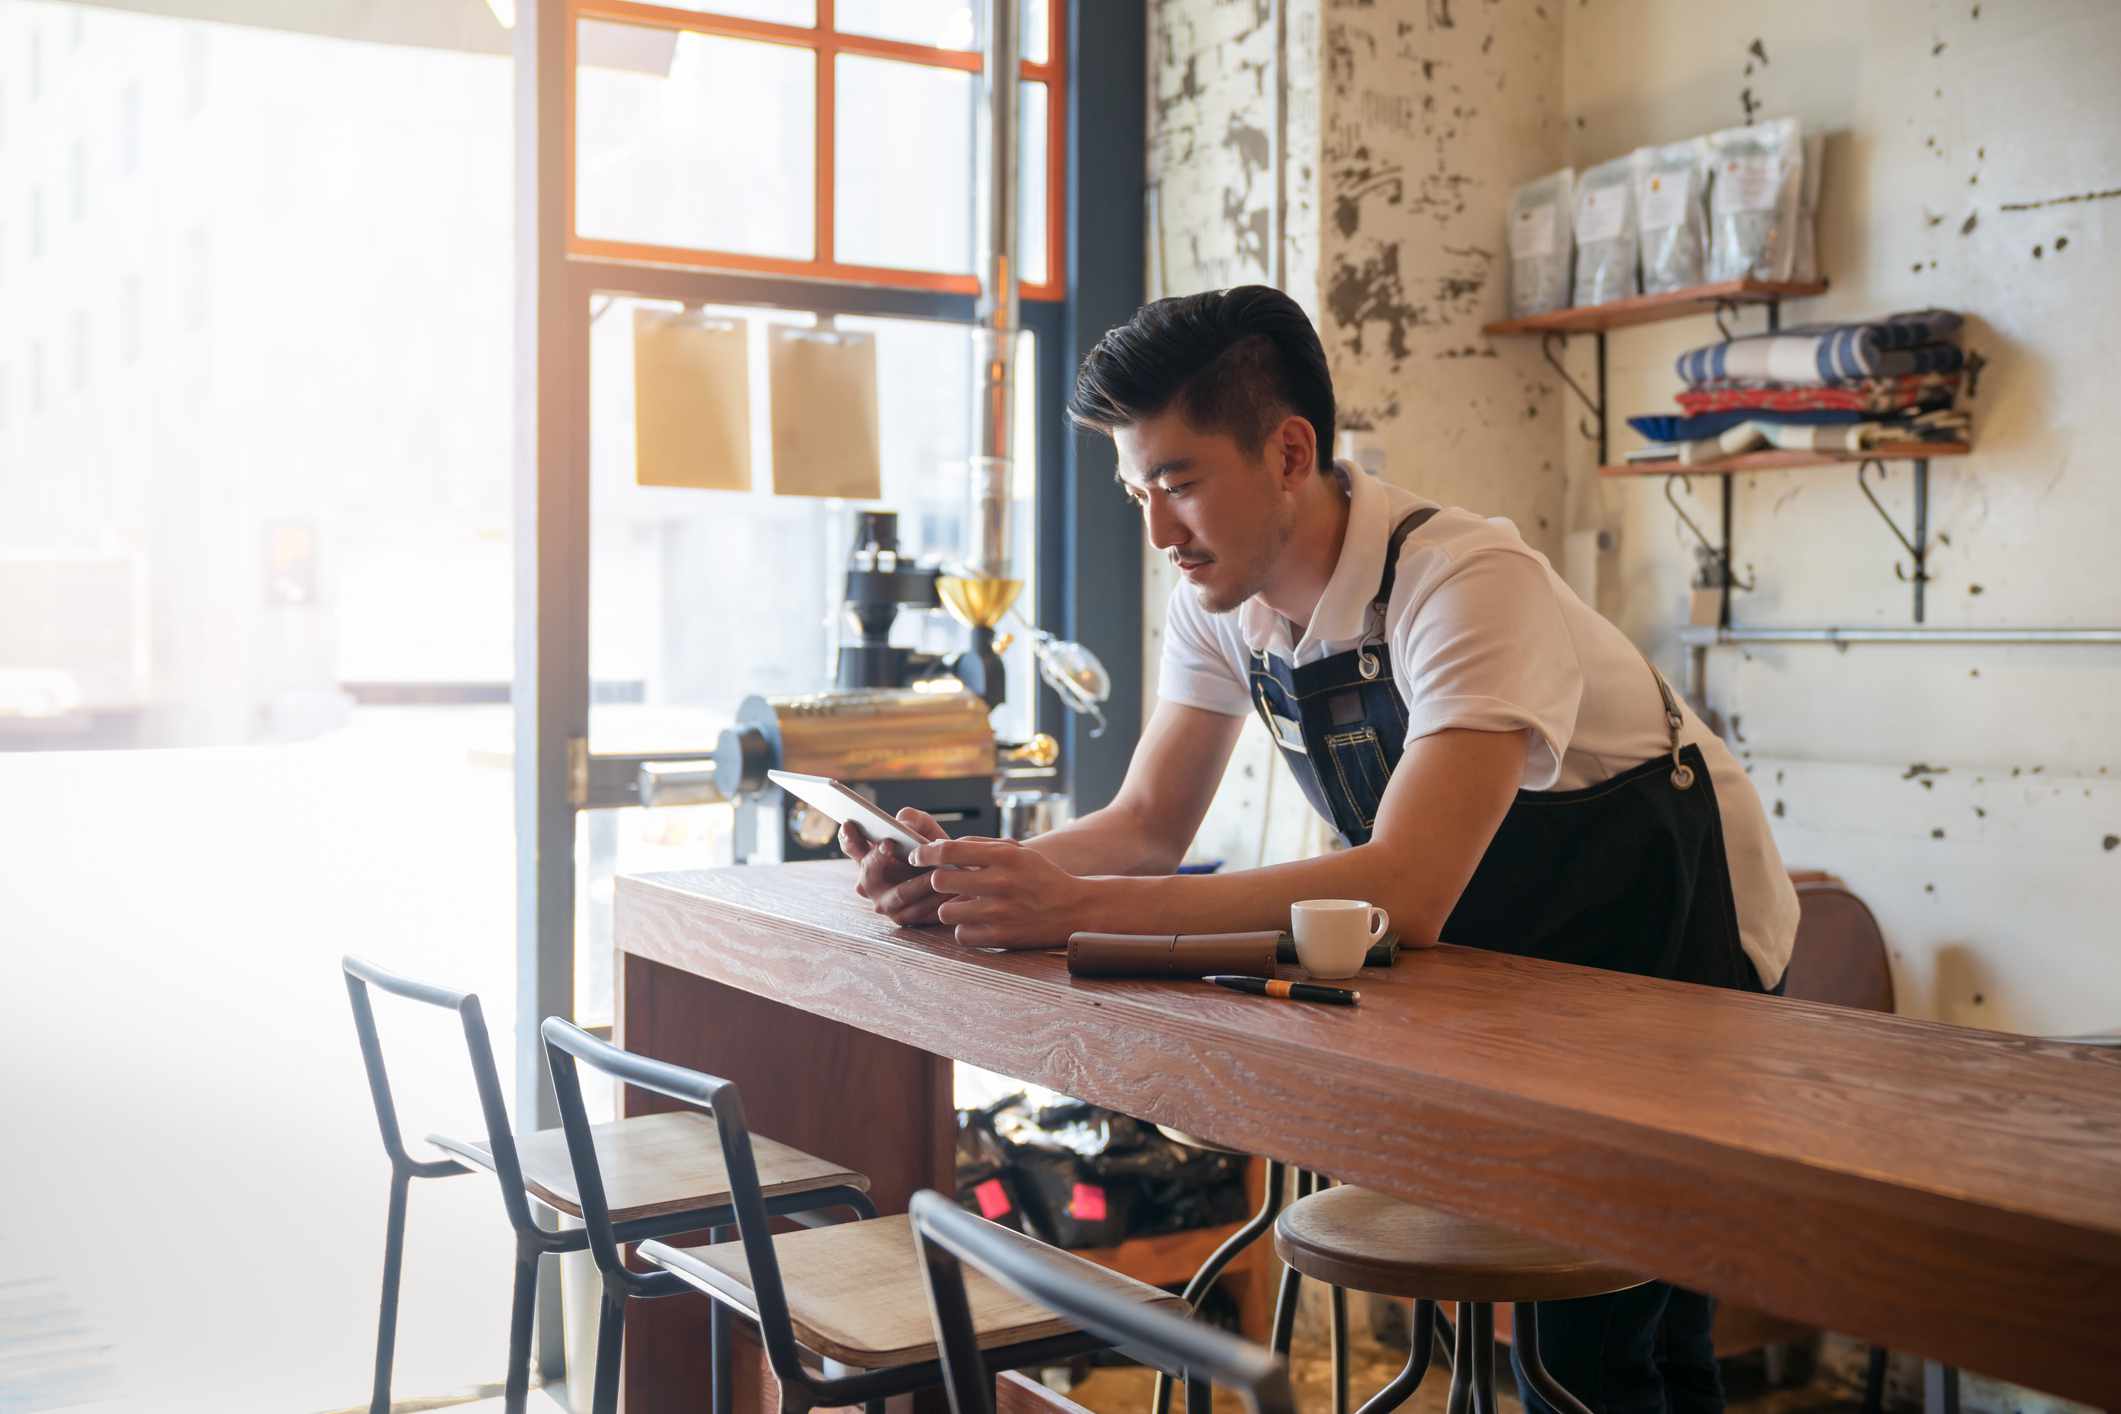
949 1239
836 1306
671 1201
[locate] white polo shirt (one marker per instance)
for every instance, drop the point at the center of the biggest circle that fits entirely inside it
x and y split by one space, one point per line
1485 635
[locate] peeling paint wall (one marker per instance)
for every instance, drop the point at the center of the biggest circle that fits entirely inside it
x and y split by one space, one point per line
1433 111
1953 130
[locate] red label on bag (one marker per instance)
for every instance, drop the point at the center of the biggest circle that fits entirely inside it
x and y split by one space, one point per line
993 1199
1087 1204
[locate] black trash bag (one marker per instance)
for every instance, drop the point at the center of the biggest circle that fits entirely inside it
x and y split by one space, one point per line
986 1175
1182 1187
1069 1205
1089 1177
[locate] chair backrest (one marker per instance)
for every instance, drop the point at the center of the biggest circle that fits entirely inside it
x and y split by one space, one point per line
948 1238
362 975
565 1044
1840 954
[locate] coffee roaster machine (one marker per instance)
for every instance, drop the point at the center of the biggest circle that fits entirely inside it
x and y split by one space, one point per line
905 727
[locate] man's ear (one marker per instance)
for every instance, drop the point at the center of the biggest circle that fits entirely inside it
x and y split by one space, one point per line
1296 443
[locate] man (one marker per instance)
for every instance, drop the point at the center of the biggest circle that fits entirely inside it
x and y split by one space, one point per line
1503 765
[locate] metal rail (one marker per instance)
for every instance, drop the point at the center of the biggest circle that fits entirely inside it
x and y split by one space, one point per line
1719 637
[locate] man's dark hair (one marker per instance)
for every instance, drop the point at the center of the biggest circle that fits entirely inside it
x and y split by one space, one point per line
1233 361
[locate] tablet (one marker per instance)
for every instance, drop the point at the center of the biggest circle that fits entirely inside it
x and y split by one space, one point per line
845 807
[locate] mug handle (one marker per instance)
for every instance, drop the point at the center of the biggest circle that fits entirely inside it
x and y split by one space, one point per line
1380 921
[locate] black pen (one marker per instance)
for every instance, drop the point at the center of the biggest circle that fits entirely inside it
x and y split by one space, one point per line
1292 991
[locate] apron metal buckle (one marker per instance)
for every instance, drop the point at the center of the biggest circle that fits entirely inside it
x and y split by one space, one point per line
1682 774
1366 663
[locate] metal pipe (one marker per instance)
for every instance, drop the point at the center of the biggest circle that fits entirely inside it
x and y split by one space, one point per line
995 337
1718 637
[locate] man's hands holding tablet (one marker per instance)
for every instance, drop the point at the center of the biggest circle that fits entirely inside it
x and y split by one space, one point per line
994 893
900 890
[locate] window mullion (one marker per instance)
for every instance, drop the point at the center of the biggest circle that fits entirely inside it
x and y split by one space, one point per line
827 135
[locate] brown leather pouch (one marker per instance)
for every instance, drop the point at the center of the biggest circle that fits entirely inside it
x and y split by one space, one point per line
1122 955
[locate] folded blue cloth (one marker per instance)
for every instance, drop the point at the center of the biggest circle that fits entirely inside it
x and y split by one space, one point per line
1674 427
1831 353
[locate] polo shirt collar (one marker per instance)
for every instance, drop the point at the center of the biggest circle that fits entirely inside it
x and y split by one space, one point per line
1343 609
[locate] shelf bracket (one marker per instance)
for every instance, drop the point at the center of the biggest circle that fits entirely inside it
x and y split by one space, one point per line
1918 547
1596 406
1721 554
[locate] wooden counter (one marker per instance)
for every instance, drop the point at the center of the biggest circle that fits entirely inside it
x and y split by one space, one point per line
1948 1192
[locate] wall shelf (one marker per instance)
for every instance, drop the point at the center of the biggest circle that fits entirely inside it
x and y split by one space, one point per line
1717 299
1655 309
1791 461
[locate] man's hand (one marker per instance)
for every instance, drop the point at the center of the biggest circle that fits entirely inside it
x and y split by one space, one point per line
897 889
999 894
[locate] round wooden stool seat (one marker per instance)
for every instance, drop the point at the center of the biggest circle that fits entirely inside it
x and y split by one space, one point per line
1194 1141
1364 1241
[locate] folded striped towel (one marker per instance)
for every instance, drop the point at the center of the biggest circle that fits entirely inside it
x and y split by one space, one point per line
1818 354
1876 395
1665 427
1852 437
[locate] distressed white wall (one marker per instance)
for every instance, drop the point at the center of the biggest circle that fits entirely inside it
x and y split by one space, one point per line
1996 874
1409 121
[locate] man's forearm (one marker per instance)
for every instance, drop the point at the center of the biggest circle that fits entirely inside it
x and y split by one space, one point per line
1109 841
1247 899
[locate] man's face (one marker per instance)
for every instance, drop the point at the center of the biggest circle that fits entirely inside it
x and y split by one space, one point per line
1221 515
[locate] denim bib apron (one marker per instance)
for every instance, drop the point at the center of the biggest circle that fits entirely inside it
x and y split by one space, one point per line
1629 874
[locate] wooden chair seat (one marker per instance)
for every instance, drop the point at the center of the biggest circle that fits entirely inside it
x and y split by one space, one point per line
1365 1241
856 1292
655 1164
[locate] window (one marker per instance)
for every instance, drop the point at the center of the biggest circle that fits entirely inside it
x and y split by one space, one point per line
196 292
194 70
129 128
129 320
793 115
36 63
79 350
78 180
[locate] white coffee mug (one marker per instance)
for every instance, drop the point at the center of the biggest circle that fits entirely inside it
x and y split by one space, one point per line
1333 935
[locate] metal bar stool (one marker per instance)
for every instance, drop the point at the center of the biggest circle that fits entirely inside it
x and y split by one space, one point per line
949 1240
1366 1241
662 1196
1256 1227
837 1307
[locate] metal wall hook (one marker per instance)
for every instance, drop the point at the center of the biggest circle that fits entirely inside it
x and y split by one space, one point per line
1864 486
1721 554
1918 545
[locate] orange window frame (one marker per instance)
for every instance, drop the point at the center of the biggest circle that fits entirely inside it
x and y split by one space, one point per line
826 44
